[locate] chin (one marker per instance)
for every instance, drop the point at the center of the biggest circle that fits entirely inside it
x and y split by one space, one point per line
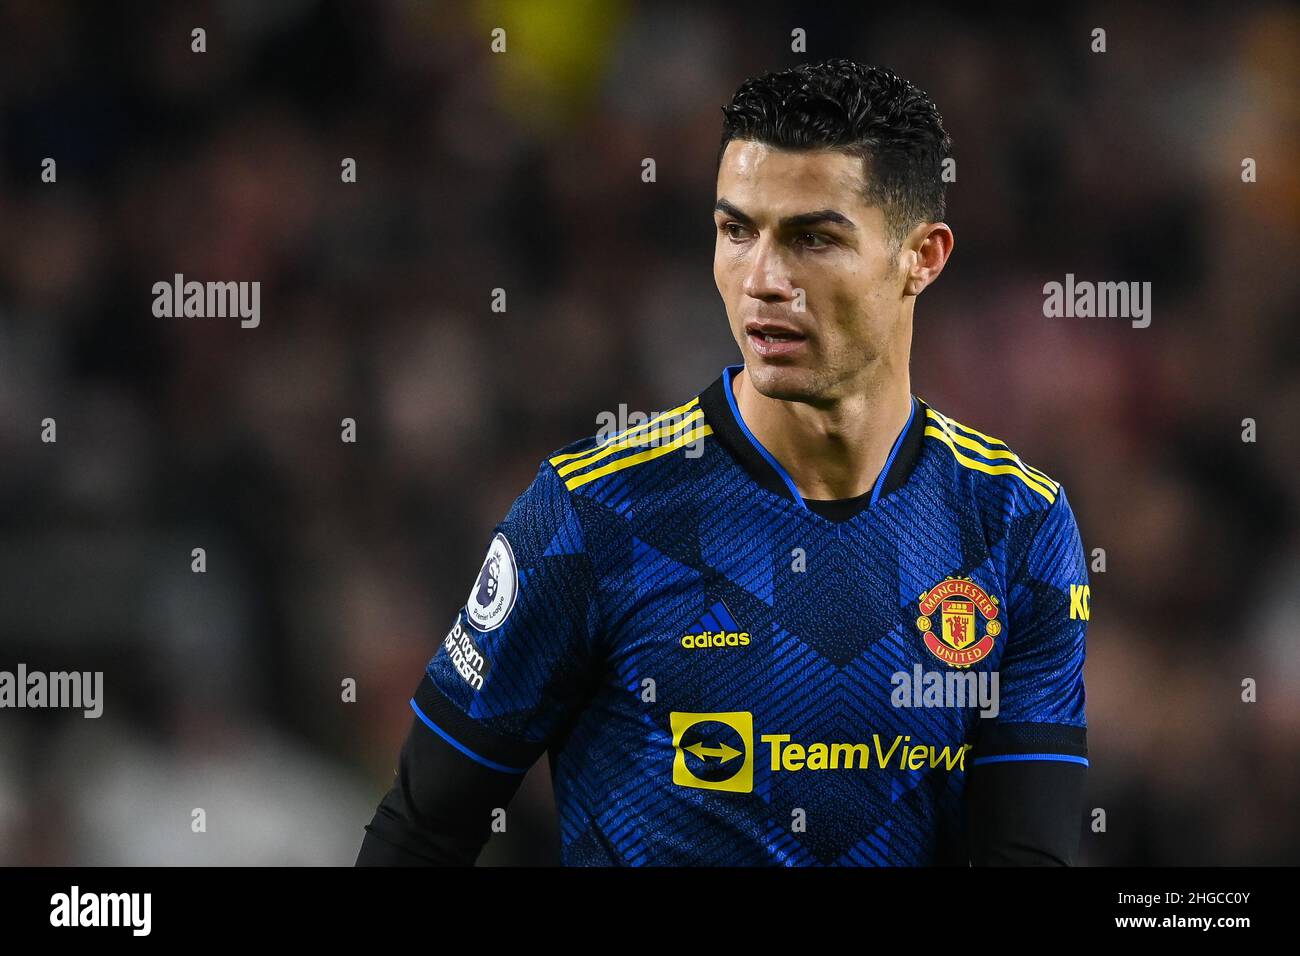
787 383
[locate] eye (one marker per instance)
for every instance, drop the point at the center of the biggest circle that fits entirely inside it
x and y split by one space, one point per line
727 227
816 237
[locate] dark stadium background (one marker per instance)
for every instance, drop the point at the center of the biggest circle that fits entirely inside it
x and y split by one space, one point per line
522 171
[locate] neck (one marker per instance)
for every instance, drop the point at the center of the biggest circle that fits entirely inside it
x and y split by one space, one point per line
833 451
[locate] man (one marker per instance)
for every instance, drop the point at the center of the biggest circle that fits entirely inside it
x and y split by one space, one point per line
850 630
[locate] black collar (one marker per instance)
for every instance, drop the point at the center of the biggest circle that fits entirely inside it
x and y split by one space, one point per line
719 407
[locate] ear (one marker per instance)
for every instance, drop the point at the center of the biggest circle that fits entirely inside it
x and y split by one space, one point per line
926 251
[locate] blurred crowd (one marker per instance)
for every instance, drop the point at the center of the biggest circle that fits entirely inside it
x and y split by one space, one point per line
521 170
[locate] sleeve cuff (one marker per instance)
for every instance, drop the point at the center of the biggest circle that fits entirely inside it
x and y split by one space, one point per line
497 751
1018 742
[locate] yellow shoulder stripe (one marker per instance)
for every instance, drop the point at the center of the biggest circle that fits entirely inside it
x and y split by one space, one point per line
991 440
623 434
943 430
633 441
620 463
1003 451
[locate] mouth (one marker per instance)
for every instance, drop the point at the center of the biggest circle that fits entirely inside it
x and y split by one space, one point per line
774 341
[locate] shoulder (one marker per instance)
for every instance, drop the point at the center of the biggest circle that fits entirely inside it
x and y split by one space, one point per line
638 447
989 467
1020 507
1013 501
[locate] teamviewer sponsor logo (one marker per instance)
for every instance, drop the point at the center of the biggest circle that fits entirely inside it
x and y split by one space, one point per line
715 751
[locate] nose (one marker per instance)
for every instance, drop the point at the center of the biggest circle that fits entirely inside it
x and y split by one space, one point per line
767 278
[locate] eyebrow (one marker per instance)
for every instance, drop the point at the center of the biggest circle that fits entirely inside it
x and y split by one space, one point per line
789 222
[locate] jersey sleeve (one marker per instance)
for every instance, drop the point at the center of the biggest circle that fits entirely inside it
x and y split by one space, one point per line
519 659
1025 796
1040 675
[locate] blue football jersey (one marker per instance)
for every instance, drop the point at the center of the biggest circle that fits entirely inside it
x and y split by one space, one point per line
724 673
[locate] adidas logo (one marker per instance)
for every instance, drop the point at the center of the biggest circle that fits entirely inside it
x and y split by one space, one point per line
715 628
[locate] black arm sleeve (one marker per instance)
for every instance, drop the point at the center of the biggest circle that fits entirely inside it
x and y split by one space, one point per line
439 810
1026 812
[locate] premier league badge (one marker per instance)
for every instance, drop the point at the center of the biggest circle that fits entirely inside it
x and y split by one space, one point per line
492 597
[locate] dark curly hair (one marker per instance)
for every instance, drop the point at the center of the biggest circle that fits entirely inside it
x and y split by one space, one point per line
864 111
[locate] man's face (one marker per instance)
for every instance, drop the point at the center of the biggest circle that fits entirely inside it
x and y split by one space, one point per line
797 220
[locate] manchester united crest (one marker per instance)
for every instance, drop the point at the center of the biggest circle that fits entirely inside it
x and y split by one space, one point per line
964 608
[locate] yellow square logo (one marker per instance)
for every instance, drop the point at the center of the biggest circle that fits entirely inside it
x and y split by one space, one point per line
713 751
